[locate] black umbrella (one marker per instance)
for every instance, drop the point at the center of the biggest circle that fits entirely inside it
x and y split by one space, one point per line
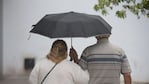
71 24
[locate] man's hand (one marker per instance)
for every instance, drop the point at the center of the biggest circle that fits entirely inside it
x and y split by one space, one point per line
127 78
73 55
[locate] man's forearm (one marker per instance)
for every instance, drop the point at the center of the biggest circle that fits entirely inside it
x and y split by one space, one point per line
127 78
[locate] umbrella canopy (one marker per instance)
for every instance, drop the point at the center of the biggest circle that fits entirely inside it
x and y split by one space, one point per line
71 24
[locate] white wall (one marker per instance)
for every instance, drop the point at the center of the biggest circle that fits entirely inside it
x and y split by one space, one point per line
19 15
1 44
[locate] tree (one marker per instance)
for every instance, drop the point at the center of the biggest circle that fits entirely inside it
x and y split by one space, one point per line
134 6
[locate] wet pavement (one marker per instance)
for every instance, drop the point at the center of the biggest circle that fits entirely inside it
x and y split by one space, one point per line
24 80
14 81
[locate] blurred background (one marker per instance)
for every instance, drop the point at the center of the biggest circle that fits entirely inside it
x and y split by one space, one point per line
18 54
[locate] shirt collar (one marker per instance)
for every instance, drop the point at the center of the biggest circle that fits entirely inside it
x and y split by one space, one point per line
103 40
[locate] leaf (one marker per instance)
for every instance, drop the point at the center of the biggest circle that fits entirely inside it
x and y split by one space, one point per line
107 3
128 1
96 7
139 6
115 2
111 7
147 14
121 14
126 6
146 4
104 12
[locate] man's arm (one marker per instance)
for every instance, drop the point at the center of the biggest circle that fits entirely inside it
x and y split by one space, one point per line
127 78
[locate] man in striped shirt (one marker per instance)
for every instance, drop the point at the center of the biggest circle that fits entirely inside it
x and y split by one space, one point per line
104 61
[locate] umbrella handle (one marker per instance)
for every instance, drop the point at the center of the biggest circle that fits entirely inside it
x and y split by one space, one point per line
71 47
71 42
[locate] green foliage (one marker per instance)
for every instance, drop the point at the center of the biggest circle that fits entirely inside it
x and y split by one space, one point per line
137 8
104 12
121 14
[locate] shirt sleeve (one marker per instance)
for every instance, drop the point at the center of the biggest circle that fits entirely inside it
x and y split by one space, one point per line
33 78
80 76
83 61
125 67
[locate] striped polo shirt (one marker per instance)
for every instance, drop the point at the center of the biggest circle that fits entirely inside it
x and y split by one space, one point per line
105 62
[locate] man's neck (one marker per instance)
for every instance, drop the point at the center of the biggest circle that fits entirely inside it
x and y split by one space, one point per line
102 40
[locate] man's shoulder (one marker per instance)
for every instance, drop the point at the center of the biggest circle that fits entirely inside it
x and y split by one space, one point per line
117 48
91 46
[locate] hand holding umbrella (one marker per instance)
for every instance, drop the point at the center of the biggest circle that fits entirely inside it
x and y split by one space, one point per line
73 55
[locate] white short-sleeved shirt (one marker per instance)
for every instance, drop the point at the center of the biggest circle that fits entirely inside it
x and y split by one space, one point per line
65 72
